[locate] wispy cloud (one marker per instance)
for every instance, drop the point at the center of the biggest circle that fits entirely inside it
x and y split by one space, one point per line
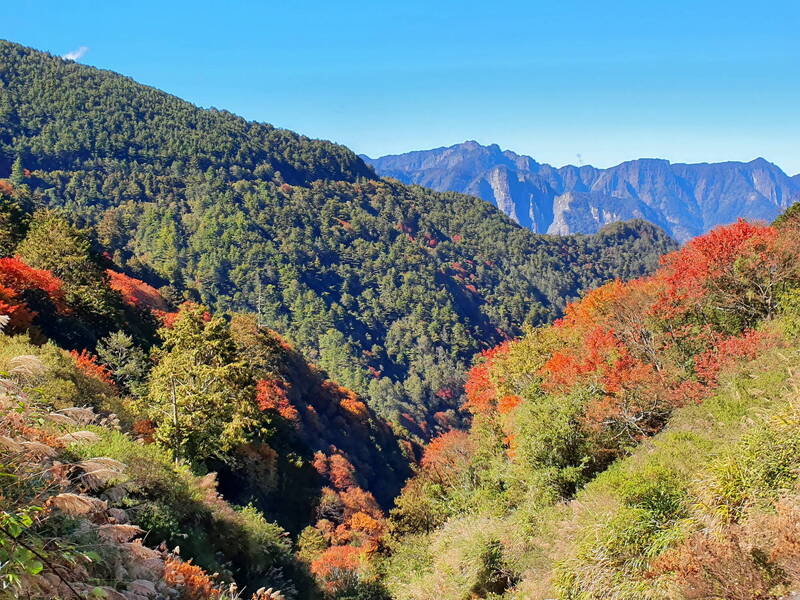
76 54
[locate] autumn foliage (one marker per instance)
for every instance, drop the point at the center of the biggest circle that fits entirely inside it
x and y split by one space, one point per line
89 366
271 394
14 307
192 582
636 350
136 293
480 391
336 562
22 287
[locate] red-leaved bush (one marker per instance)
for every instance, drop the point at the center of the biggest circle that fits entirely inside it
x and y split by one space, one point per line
88 365
136 293
634 351
20 285
272 394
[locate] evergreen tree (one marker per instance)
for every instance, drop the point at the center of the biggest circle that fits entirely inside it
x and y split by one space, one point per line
128 362
200 394
52 243
13 220
17 172
338 357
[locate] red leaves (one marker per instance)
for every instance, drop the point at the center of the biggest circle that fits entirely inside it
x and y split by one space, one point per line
11 306
350 520
341 472
136 293
446 451
637 350
356 499
192 581
726 351
18 280
479 389
336 560
336 469
508 403
88 365
17 275
596 352
591 310
717 262
447 456
349 401
481 393
271 394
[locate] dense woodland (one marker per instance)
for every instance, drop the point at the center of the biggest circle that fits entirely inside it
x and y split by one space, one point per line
208 433
235 364
646 445
390 289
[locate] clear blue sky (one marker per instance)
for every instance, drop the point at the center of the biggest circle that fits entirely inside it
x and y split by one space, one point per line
705 80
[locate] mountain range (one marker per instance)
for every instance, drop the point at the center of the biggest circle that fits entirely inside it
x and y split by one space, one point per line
685 200
240 343
391 289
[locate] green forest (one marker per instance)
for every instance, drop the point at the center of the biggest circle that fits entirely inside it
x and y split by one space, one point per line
391 289
236 364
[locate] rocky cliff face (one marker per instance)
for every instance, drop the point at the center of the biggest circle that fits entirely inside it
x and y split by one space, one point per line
686 200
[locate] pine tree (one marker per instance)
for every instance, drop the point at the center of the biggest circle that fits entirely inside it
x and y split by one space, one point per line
13 220
200 393
127 362
17 172
52 243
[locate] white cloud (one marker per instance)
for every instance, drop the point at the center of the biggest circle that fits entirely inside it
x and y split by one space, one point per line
76 54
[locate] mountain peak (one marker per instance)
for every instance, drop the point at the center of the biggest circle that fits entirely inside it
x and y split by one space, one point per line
685 199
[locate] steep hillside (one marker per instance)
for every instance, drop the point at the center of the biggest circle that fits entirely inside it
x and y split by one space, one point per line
647 445
684 200
179 428
390 289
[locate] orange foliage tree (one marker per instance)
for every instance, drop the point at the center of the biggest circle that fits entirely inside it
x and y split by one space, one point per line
447 455
271 394
22 288
337 564
136 293
739 270
13 307
633 351
480 391
341 472
88 365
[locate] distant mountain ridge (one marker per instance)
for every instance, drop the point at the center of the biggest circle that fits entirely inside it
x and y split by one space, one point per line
684 199
390 289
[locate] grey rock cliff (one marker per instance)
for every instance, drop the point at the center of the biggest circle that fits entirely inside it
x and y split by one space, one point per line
684 199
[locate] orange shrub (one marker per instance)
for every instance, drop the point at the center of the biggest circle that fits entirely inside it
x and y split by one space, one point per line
271 394
136 293
192 582
88 365
335 562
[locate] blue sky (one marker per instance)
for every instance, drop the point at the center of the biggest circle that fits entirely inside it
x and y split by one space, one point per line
696 81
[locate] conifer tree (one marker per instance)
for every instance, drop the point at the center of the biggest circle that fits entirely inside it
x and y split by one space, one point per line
17 172
127 361
200 393
53 244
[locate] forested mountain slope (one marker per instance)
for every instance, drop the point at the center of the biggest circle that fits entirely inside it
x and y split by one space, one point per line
645 446
390 289
684 199
180 428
